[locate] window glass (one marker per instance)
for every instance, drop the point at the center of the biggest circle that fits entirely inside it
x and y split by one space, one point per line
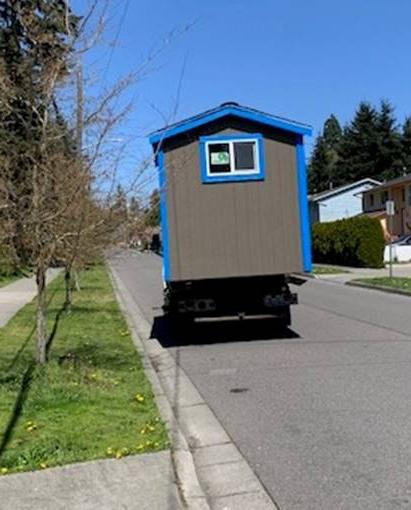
219 158
371 199
384 197
244 155
409 195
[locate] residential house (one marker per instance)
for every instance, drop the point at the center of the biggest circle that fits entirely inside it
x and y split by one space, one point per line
338 203
398 190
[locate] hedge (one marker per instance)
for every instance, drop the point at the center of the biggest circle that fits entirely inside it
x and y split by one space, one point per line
357 242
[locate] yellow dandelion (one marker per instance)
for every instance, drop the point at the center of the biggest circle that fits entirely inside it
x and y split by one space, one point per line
156 444
43 465
139 397
4 470
119 455
151 428
140 447
109 451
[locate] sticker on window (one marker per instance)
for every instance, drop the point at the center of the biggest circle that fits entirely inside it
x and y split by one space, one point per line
220 158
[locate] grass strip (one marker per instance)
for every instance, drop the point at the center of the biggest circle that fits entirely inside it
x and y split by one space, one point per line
396 283
328 270
6 279
91 401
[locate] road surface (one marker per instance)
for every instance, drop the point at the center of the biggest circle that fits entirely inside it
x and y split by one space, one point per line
323 412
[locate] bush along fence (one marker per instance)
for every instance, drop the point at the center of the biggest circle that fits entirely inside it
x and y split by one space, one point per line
357 242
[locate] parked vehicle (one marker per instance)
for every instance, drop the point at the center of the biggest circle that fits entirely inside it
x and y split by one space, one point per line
403 241
234 213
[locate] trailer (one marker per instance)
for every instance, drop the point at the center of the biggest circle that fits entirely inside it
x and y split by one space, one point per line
234 213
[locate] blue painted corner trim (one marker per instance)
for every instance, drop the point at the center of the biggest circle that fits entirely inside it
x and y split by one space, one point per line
303 205
236 111
206 178
163 215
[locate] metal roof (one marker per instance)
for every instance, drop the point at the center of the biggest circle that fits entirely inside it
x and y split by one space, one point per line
229 109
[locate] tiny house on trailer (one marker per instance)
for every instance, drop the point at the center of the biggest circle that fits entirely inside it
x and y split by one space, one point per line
234 212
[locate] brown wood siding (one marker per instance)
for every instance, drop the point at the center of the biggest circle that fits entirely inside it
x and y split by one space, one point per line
233 228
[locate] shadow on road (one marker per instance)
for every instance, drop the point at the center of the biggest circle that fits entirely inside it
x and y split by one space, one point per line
172 334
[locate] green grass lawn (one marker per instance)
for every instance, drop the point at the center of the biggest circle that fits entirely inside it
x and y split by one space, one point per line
6 279
91 401
396 282
328 270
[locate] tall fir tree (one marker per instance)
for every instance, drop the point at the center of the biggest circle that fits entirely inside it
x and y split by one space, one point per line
389 152
34 41
359 145
318 176
322 168
406 146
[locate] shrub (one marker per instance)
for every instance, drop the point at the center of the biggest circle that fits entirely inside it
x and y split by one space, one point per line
357 242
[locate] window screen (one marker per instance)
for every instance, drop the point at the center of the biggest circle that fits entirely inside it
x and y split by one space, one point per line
244 155
219 158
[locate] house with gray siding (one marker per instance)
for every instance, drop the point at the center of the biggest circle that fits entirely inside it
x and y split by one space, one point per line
338 203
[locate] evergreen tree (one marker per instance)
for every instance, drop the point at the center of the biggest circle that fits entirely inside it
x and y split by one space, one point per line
389 151
120 208
152 216
322 168
34 43
134 207
318 169
358 151
406 146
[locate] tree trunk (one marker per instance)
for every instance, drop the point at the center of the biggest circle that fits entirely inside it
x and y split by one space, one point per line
41 356
69 289
76 281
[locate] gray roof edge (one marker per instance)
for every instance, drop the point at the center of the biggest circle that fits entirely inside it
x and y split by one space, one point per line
336 191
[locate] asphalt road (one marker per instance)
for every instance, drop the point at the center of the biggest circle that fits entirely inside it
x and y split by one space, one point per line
323 412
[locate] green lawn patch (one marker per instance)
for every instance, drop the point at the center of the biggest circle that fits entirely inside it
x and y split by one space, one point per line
397 282
6 279
328 270
91 401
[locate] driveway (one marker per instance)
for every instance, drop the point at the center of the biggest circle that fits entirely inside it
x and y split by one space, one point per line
322 413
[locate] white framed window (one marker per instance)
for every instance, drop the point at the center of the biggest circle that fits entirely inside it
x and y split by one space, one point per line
232 158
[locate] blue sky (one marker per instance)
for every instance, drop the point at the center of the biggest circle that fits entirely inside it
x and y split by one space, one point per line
300 59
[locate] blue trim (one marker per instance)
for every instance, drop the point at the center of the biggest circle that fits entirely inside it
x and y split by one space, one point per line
206 178
163 215
241 112
303 205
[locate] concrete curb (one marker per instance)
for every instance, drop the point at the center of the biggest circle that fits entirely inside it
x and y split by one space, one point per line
380 288
191 492
210 470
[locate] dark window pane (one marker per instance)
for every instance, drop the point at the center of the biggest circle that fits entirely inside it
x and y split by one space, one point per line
244 155
219 158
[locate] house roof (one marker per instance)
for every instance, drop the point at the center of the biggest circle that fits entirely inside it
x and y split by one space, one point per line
394 182
318 197
225 110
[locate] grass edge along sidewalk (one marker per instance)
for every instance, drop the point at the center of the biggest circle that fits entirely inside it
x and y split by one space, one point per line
91 401
8 279
395 285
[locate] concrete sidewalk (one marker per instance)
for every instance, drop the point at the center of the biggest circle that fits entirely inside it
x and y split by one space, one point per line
17 294
403 270
143 482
